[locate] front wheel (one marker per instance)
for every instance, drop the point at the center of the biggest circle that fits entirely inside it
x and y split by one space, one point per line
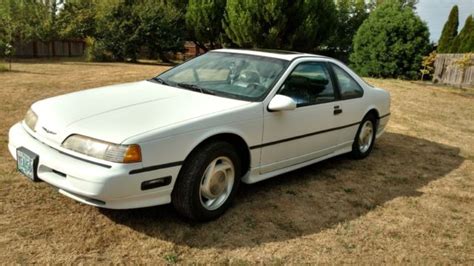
365 137
208 181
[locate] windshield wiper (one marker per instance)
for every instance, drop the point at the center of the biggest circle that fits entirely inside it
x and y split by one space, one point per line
195 87
160 80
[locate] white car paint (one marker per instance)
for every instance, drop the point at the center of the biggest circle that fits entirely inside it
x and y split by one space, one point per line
168 123
144 105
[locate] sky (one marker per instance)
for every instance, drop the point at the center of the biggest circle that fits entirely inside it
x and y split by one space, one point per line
436 12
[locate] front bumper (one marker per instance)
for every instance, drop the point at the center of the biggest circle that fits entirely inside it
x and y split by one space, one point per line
91 183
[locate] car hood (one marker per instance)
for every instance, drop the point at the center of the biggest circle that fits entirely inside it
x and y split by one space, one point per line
115 113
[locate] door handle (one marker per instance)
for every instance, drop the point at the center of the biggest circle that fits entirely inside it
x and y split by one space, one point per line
337 110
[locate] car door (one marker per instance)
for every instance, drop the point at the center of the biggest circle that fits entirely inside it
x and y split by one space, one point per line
351 104
296 136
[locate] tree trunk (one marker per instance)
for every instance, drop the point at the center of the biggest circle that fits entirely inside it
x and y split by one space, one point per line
53 48
163 57
35 49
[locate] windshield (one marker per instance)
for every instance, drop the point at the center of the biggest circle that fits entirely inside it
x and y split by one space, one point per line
238 76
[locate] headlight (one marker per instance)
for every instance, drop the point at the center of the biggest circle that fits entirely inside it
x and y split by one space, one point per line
30 119
103 150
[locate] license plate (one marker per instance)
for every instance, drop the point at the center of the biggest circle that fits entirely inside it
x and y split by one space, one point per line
27 163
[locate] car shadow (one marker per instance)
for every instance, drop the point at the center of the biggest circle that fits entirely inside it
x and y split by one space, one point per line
308 200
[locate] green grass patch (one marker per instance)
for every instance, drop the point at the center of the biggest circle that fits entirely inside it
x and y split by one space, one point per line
171 258
3 67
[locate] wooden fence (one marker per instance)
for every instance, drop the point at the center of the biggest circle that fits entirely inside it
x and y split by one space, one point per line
76 48
191 50
448 71
69 48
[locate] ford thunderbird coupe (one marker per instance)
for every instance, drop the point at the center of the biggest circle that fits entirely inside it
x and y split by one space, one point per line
190 135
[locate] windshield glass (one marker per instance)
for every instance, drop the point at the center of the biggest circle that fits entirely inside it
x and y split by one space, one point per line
239 76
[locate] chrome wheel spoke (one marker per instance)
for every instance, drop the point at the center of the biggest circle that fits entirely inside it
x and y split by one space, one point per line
210 170
216 183
224 167
209 202
366 136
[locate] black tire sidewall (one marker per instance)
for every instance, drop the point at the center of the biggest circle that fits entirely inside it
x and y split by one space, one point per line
194 168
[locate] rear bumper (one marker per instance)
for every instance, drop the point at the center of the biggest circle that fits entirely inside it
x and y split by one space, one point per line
109 185
382 124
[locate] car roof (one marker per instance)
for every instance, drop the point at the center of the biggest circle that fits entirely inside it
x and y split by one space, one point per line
280 54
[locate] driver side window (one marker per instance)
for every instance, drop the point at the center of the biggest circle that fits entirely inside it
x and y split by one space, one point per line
309 84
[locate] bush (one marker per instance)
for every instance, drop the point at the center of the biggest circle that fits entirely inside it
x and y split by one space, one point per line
463 64
96 51
428 66
390 43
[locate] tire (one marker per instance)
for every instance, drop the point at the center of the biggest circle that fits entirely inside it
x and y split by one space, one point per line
198 182
362 146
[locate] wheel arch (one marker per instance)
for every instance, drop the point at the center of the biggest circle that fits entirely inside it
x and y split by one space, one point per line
237 141
374 111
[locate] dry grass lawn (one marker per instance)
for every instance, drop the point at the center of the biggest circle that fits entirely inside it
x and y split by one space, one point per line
411 201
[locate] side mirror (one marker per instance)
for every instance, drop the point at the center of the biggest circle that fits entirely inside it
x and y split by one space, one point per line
281 103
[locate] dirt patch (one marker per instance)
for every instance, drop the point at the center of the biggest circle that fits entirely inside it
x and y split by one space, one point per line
410 201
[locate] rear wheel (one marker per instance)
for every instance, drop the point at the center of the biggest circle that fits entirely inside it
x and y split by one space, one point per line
365 137
207 182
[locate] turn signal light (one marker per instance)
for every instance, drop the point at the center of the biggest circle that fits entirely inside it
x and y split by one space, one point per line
133 154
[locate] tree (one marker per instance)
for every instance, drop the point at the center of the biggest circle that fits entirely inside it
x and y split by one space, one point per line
77 19
179 4
24 21
297 25
390 43
117 31
450 30
404 3
28 19
127 26
6 31
428 65
6 36
350 15
464 42
161 28
204 22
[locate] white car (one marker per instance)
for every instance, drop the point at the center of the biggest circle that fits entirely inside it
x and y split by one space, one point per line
190 135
